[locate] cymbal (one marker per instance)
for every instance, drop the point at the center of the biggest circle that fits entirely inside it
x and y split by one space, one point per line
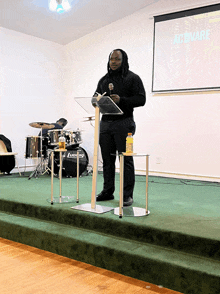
89 118
41 125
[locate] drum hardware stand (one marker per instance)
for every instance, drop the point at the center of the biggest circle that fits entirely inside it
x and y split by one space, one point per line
38 169
47 169
41 168
36 172
89 170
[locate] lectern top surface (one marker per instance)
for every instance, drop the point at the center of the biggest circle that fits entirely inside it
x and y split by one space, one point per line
105 104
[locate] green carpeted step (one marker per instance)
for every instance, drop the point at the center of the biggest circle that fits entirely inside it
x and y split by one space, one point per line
130 228
176 270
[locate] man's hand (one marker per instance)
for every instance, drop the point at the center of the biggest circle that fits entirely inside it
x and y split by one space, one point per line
94 101
115 98
96 98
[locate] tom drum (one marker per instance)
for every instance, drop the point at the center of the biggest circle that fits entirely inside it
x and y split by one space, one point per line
32 147
73 138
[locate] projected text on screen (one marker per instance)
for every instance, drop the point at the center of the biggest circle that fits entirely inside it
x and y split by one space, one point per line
187 50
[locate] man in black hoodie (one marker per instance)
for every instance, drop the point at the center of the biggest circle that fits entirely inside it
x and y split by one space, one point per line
126 89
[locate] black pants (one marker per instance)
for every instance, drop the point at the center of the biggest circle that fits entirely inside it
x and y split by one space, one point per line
113 138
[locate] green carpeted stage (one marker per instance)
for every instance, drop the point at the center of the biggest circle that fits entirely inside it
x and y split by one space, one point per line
177 245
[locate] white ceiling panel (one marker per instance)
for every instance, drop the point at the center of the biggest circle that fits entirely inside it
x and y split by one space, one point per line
34 18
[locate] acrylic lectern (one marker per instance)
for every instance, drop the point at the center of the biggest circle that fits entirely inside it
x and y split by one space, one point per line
104 105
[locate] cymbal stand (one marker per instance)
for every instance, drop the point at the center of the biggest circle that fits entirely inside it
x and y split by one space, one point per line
45 165
42 167
38 169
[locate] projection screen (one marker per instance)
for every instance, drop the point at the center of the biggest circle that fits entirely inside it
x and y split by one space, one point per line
186 54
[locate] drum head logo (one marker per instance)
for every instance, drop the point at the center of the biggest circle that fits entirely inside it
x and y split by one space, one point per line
74 155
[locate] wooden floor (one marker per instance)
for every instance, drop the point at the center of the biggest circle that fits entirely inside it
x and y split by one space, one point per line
27 270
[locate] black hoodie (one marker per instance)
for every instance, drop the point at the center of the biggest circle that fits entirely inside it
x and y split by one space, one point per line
127 85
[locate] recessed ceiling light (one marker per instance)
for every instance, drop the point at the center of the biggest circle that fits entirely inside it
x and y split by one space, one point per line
59 6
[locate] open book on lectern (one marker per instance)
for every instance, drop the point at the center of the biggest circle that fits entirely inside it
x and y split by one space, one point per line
108 106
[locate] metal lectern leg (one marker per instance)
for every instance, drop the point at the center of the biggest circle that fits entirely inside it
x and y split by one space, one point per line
52 171
77 194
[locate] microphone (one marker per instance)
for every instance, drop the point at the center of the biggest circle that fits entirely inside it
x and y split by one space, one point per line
111 87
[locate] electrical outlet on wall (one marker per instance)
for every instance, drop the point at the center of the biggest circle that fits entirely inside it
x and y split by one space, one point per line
158 160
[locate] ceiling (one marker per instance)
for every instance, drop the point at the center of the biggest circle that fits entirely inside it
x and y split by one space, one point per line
33 17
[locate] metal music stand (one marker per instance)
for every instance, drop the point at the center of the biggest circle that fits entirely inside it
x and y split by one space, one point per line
105 105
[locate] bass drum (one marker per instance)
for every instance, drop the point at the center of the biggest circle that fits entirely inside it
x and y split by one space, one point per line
70 162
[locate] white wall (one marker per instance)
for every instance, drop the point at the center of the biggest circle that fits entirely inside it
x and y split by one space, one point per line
39 80
31 86
179 131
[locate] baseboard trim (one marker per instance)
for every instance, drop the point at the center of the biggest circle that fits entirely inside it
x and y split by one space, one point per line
183 176
151 173
177 175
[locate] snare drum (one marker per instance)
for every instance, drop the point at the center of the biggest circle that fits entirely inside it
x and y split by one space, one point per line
32 147
54 136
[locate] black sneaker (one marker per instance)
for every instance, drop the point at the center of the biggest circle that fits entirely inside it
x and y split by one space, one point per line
104 196
128 201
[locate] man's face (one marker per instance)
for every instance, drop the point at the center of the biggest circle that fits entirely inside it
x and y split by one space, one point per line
115 60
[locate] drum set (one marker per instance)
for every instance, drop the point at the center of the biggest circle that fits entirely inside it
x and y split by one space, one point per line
40 147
